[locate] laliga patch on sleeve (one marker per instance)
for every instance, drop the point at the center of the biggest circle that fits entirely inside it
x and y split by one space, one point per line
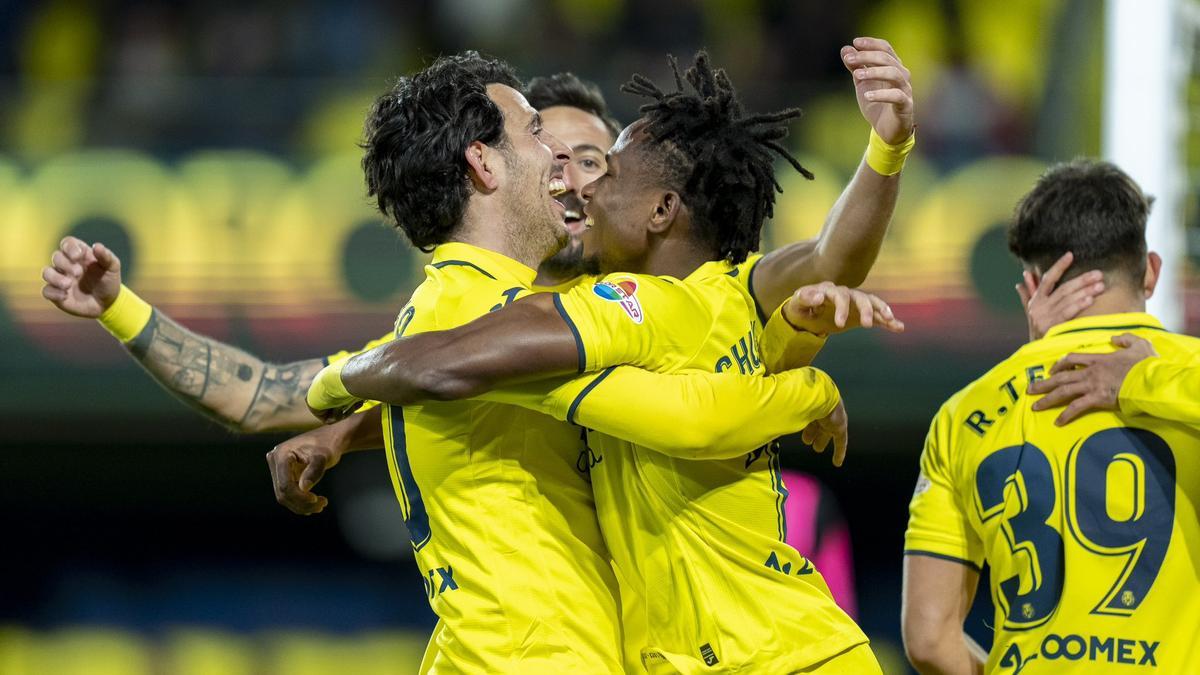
923 485
624 293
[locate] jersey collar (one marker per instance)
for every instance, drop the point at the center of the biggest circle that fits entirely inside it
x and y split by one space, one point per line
710 269
1109 322
495 265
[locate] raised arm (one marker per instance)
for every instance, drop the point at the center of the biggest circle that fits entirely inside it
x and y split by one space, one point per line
231 386
853 233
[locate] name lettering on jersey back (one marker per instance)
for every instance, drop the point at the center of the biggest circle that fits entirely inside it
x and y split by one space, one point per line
1008 394
1078 647
439 580
744 353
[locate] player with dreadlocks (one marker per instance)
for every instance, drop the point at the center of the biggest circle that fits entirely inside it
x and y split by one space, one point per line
706 579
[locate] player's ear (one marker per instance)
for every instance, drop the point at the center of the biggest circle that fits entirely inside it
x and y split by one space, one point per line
1153 269
666 210
482 163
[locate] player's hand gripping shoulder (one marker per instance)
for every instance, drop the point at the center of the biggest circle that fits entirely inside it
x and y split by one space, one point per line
1048 304
1085 382
82 280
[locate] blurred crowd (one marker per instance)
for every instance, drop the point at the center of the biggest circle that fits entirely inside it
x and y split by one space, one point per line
294 78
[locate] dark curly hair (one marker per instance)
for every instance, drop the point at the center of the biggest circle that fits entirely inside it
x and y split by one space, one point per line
1091 208
415 142
718 158
568 89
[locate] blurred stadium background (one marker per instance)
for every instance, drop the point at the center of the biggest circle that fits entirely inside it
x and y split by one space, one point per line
212 145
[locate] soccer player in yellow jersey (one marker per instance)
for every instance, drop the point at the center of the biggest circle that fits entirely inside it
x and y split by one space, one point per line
1089 528
502 525
250 394
707 583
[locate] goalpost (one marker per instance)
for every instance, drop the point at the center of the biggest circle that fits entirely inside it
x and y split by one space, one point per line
1147 62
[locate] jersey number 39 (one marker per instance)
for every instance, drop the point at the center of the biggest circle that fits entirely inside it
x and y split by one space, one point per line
1119 487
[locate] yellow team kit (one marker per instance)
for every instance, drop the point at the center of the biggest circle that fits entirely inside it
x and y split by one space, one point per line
496 498
707 582
1090 529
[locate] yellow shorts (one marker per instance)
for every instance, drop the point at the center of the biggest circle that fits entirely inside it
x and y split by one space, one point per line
858 660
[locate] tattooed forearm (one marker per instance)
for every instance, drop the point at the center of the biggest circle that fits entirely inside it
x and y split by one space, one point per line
278 401
235 388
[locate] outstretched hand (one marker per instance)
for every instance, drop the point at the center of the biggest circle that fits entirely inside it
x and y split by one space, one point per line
826 308
82 280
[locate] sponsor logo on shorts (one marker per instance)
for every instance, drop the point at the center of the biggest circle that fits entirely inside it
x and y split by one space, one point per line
624 293
709 656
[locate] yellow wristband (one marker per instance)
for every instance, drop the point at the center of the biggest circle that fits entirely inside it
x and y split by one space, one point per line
782 346
887 159
127 317
327 390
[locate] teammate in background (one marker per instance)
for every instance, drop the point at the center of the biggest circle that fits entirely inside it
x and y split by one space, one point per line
1088 528
684 198
1126 379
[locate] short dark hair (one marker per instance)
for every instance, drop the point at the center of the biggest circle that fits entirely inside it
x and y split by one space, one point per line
1088 207
415 142
721 160
568 89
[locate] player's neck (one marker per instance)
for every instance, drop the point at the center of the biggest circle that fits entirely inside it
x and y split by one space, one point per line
1118 300
486 229
674 257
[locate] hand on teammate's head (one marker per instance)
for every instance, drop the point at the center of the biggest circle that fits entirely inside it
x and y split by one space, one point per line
1047 304
82 280
826 308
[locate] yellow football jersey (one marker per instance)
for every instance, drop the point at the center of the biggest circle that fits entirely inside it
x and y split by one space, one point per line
1165 388
707 582
502 522
1090 529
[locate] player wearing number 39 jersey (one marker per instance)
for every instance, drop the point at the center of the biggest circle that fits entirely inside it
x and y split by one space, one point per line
1090 529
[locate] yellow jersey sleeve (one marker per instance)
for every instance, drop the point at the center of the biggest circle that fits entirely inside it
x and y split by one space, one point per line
693 415
626 319
1161 388
344 354
937 524
783 347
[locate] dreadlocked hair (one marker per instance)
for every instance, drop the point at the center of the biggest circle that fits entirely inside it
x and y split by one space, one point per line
721 160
